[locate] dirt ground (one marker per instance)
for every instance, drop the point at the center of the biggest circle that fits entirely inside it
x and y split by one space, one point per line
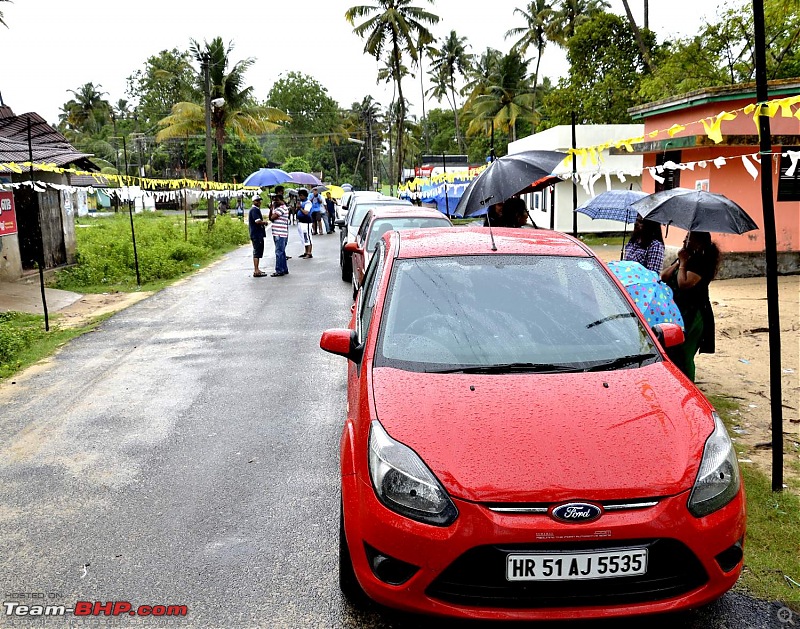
89 306
739 369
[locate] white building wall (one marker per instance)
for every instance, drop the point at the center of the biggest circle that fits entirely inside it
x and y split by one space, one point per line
609 171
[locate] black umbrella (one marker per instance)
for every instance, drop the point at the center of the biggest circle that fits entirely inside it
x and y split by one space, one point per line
504 177
695 210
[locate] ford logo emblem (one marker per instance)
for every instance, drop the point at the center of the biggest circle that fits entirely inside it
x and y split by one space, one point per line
576 512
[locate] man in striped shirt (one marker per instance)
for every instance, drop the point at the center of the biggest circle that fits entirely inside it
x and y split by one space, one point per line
280 234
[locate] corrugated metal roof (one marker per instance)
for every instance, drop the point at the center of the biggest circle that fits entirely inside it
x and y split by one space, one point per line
48 145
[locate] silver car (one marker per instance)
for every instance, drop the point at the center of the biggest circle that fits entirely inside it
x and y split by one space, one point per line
356 211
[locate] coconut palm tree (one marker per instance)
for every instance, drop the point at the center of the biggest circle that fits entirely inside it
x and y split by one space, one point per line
87 111
240 114
424 49
365 122
507 98
451 59
480 75
537 18
394 27
569 14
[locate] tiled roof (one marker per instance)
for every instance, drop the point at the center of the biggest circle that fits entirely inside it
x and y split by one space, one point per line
48 145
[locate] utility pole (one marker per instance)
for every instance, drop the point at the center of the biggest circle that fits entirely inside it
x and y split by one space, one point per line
770 249
130 212
209 165
371 152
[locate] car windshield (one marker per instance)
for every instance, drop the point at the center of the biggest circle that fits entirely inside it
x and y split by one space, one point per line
507 313
399 223
360 209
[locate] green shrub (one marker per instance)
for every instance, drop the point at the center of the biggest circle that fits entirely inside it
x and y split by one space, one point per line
16 335
105 259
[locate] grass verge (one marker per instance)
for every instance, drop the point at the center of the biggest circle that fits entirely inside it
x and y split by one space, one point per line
24 341
105 253
772 547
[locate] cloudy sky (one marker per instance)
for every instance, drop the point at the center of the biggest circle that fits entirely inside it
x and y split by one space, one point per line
52 46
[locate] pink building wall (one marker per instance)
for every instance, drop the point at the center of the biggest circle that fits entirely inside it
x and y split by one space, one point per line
732 179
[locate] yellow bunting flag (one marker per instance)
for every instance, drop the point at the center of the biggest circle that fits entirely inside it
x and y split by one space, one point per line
714 129
676 128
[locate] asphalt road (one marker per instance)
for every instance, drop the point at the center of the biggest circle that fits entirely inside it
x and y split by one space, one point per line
186 453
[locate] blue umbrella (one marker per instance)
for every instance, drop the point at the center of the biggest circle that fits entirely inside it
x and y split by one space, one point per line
267 177
652 297
613 205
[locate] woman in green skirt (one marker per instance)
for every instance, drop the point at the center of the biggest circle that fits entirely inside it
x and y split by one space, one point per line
689 277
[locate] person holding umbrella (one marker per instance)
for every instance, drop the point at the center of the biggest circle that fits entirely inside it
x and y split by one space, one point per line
258 232
689 277
279 215
646 245
304 222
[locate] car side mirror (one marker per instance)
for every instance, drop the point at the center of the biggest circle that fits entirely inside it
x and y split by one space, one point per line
668 334
339 222
352 247
342 342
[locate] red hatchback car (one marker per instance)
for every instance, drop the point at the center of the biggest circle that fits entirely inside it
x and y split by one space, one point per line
518 446
380 220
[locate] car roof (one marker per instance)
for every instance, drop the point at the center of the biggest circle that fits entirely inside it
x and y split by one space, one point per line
413 211
379 200
449 241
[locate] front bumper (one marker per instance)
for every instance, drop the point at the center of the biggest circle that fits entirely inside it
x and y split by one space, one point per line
462 567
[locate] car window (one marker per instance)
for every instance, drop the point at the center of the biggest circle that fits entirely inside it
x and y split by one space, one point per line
362 231
400 223
369 291
457 311
359 210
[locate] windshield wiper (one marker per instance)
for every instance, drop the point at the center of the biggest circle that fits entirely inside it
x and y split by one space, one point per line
621 315
622 362
511 368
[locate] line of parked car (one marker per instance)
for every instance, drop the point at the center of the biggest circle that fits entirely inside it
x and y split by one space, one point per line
517 444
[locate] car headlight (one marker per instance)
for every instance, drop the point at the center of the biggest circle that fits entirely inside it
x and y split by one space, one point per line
404 483
718 479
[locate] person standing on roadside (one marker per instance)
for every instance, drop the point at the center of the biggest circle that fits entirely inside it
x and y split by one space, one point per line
646 245
304 222
317 210
258 232
689 277
330 206
279 215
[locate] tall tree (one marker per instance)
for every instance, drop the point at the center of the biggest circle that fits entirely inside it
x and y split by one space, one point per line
606 68
569 15
424 49
87 111
480 75
450 60
508 97
240 114
394 27
365 123
537 18
166 78
316 119
638 35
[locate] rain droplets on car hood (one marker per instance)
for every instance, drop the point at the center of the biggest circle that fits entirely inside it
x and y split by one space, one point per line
543 437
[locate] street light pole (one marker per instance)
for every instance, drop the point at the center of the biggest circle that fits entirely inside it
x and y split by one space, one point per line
209 165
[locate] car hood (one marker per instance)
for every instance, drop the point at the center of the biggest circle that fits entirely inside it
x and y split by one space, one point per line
618 435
